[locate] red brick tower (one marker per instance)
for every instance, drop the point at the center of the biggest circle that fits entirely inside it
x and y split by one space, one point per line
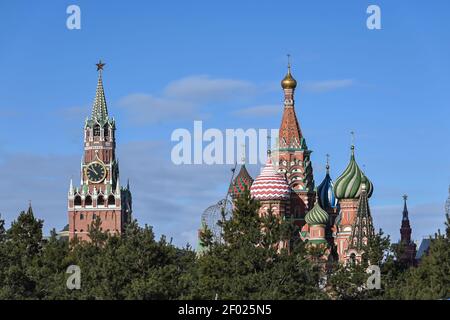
407 247
100 194
294 156
348 189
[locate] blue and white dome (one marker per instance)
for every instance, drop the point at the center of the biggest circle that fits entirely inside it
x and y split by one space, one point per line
325 192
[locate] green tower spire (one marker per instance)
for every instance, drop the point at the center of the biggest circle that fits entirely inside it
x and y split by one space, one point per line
99 109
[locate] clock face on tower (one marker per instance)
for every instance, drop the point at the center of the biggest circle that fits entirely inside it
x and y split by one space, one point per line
95 172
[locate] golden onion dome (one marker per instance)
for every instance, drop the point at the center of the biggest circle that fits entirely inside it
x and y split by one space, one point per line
289 82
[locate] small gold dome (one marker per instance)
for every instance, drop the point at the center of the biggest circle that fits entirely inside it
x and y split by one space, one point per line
288 82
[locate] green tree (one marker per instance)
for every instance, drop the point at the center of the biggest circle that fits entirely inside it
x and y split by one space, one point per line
131 266
2 229
431 278
349 281
49 268
249 264
22 246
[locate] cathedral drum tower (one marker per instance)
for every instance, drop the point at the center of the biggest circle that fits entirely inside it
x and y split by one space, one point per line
100 194
353 189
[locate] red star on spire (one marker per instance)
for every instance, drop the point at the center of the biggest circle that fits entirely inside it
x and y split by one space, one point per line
100 65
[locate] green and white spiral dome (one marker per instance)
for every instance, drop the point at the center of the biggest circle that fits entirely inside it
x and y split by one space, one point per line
316 216
349 184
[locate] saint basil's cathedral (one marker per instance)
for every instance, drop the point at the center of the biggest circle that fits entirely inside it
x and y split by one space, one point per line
334 215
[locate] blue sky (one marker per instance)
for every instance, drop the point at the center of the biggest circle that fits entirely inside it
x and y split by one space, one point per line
170 63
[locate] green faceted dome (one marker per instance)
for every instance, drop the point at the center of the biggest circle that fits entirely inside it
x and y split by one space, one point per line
316 216
349 184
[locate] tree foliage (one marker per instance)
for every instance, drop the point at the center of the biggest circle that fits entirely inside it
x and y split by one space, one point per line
431 279
252 262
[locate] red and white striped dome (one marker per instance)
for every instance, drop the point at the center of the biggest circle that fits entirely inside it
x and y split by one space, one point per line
270 185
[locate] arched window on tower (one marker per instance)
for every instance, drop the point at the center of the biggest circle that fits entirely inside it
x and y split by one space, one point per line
96 130
77 201
88 201
106 131
111 200
353 259
100 201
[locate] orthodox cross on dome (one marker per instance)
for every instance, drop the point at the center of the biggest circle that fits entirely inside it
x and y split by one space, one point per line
269 145
289 61
352 134
328 163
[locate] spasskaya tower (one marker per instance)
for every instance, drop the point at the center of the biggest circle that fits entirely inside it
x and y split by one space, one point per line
100 193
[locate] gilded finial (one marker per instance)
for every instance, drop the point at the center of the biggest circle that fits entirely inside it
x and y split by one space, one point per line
289 82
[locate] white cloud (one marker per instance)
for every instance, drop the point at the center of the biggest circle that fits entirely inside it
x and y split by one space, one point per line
145 108
195 96
425 219
260 111
191 237
327 85
75 113
204 88
171 198
184 99
42 179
